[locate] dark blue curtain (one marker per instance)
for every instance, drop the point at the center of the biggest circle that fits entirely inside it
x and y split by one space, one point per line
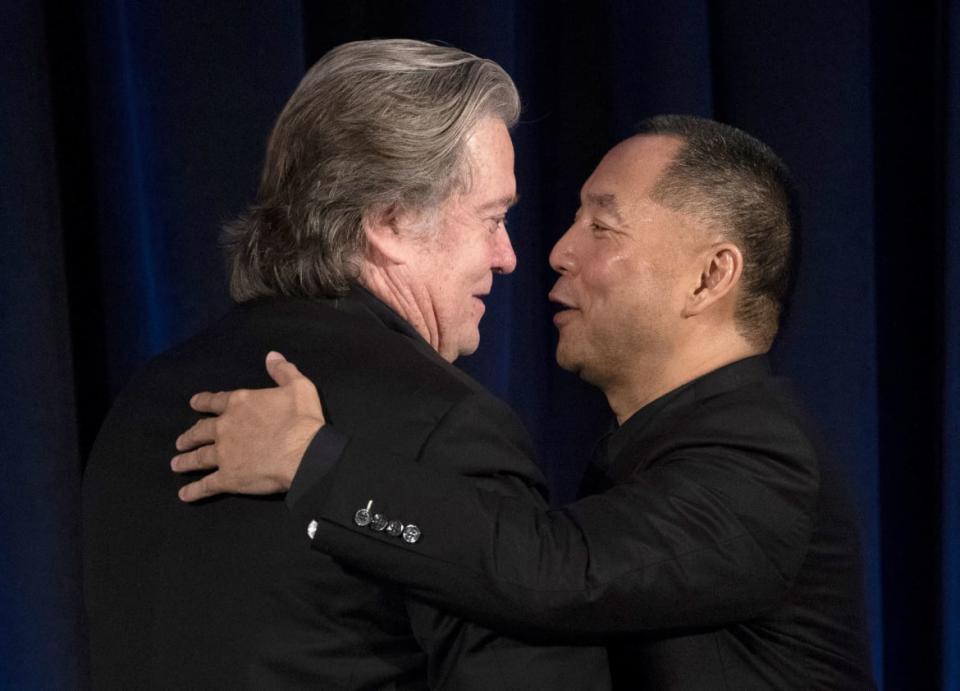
129 131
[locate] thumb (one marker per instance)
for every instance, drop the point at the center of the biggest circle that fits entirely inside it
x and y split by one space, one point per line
280 369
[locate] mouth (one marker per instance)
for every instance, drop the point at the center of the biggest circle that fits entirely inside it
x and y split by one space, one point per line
566 310
480 297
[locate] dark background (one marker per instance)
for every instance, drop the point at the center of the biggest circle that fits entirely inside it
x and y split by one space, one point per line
129 131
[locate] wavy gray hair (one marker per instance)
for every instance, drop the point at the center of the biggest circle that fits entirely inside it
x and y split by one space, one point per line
373 125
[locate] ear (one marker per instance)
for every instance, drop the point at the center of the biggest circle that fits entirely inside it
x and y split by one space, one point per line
388 235
720 269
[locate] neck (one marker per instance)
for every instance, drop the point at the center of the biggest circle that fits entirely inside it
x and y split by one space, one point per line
388 284
651 378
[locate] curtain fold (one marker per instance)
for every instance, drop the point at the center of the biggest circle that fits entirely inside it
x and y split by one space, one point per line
41 639
951 380
909 90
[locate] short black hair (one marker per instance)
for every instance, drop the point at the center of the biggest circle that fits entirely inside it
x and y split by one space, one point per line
739 187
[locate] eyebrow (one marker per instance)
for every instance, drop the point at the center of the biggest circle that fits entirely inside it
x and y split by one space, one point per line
608 203
503 203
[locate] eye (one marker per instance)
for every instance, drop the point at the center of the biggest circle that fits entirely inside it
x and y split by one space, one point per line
598 229
495 223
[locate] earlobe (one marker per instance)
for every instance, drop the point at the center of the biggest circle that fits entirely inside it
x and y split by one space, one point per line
719 276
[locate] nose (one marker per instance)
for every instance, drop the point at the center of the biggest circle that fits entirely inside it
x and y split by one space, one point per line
504 258
562 256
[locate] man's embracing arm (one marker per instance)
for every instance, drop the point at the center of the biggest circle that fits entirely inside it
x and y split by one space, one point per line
478 438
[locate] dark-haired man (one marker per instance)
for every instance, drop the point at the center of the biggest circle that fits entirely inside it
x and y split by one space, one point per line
377 231
722 553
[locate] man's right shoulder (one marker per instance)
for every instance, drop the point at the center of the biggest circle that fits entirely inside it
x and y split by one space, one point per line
334 348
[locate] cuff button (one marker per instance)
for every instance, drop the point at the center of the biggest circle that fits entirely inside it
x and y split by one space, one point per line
378 522
362 517
411 533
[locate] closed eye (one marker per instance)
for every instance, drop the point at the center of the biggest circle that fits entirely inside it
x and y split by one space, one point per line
496 222
598 229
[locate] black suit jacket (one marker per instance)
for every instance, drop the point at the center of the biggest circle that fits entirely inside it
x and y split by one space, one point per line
227 593
722 554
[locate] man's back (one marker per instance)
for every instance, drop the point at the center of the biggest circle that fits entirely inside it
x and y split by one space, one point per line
228 592
745 440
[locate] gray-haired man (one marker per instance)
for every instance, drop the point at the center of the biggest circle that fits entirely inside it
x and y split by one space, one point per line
376 233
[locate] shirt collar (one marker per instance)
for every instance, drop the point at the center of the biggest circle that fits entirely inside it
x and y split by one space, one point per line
360 301
721 380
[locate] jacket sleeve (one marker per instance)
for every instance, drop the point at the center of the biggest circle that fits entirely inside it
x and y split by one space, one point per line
466 656
461 654
704 536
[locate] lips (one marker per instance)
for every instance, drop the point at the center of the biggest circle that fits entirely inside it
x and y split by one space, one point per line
479 297
559 297
567 310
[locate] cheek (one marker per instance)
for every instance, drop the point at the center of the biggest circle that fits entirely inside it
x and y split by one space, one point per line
627 293
457 288
606 280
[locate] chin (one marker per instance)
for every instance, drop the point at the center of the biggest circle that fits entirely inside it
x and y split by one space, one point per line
566 360
578 364
469 345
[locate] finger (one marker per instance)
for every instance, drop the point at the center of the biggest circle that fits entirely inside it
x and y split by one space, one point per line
282 370
204 431
207 486
207 402
202 459
308 399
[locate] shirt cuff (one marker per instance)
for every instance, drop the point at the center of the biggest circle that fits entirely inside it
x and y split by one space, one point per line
321 455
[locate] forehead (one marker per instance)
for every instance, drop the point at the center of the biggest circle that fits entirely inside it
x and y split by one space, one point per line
629 171
490 160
